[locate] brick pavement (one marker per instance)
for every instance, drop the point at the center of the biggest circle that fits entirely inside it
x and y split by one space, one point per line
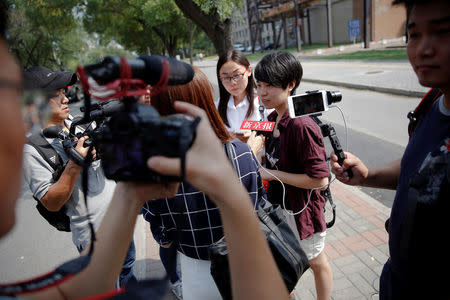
356 247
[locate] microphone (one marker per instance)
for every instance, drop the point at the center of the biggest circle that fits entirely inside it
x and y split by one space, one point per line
55 132
145 67
107 109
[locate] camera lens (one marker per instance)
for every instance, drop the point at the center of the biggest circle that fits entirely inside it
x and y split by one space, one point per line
334 96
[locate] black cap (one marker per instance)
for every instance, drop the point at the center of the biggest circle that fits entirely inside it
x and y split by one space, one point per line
47 80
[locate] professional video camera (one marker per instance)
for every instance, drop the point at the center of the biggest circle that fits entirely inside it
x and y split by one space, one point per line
130 132
69 141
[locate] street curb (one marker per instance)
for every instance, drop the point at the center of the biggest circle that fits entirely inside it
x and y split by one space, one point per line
391 91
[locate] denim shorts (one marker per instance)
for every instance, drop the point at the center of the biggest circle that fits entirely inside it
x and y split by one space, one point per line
313 245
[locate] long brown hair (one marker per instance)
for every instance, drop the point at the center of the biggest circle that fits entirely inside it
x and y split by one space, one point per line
239 58
198 92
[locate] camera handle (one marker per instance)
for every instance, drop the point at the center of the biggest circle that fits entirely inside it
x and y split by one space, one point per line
329 131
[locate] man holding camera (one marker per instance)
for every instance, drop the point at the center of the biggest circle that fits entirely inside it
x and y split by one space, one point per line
418 223
67 189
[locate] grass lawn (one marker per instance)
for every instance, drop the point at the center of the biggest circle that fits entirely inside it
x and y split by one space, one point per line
259 55
385 54
388 54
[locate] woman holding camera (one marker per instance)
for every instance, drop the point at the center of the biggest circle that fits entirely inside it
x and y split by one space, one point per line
191 219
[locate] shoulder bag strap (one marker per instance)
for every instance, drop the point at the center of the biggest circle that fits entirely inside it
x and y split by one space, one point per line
46 150
416 116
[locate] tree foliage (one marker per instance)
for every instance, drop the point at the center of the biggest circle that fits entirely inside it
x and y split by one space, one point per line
44 33
145 26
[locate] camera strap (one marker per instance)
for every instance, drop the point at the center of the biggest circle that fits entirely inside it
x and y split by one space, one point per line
183 150
53 278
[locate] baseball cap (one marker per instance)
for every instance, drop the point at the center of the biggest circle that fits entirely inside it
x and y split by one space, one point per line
47 80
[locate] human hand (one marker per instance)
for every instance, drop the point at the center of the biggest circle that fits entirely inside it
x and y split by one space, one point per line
265 175
144 192
80 148
256 142
206 162
353 163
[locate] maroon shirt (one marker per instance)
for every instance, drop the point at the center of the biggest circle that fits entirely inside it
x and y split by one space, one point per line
302 151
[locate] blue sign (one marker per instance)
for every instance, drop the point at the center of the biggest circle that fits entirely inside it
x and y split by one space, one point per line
354 28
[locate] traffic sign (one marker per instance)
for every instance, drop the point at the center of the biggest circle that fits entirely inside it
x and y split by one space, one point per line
354 28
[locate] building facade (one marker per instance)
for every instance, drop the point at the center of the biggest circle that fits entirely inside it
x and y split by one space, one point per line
264 22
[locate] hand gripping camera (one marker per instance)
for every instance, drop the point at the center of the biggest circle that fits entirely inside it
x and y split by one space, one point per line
134 132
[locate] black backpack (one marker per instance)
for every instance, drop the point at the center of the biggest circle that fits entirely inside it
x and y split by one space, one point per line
57 219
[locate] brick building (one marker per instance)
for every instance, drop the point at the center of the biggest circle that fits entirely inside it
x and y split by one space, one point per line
262 22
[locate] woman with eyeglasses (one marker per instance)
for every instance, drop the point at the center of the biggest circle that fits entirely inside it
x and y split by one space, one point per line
238 100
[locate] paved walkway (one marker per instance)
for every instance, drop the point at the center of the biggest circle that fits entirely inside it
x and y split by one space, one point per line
356 247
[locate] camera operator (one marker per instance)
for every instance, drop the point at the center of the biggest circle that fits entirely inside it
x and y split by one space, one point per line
295 154
67 191
418 262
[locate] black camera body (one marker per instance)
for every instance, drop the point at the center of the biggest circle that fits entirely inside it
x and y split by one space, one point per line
129 133
126 141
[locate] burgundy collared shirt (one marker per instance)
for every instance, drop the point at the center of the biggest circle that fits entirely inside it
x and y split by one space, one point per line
301 151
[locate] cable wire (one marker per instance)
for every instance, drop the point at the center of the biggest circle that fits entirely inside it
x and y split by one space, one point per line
309 191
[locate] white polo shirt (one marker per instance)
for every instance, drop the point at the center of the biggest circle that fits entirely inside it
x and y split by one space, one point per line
236 114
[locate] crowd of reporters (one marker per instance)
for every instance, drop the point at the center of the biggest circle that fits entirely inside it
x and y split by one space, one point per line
223 203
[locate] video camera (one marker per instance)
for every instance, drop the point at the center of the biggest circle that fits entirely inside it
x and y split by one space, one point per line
312 102
129 133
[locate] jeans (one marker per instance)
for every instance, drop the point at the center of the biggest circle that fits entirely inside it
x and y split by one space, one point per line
127 272
169 260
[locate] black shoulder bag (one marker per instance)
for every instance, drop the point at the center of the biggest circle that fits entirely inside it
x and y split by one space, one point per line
57 219
289 256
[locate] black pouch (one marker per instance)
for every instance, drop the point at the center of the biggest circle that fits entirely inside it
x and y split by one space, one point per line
57 219
289 256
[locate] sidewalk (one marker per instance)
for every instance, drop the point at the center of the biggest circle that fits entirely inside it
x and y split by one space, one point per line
356 247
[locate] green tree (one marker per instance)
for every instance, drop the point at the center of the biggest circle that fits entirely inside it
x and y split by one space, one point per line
44 32
144 26
214 18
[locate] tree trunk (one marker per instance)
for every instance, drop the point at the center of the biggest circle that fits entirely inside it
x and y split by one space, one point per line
219 32
169 42
191 39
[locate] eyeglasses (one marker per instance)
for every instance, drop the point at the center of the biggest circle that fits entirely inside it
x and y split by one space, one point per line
57 95
234 78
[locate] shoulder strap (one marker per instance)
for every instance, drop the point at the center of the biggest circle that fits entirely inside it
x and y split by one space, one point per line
47 152
231 154
416 116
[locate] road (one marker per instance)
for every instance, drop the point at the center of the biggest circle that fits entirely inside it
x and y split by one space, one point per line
376 132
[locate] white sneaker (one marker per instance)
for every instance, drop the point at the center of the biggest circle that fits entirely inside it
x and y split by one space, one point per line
176 289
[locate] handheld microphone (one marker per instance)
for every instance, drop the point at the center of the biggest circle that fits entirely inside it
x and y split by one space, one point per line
145 67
